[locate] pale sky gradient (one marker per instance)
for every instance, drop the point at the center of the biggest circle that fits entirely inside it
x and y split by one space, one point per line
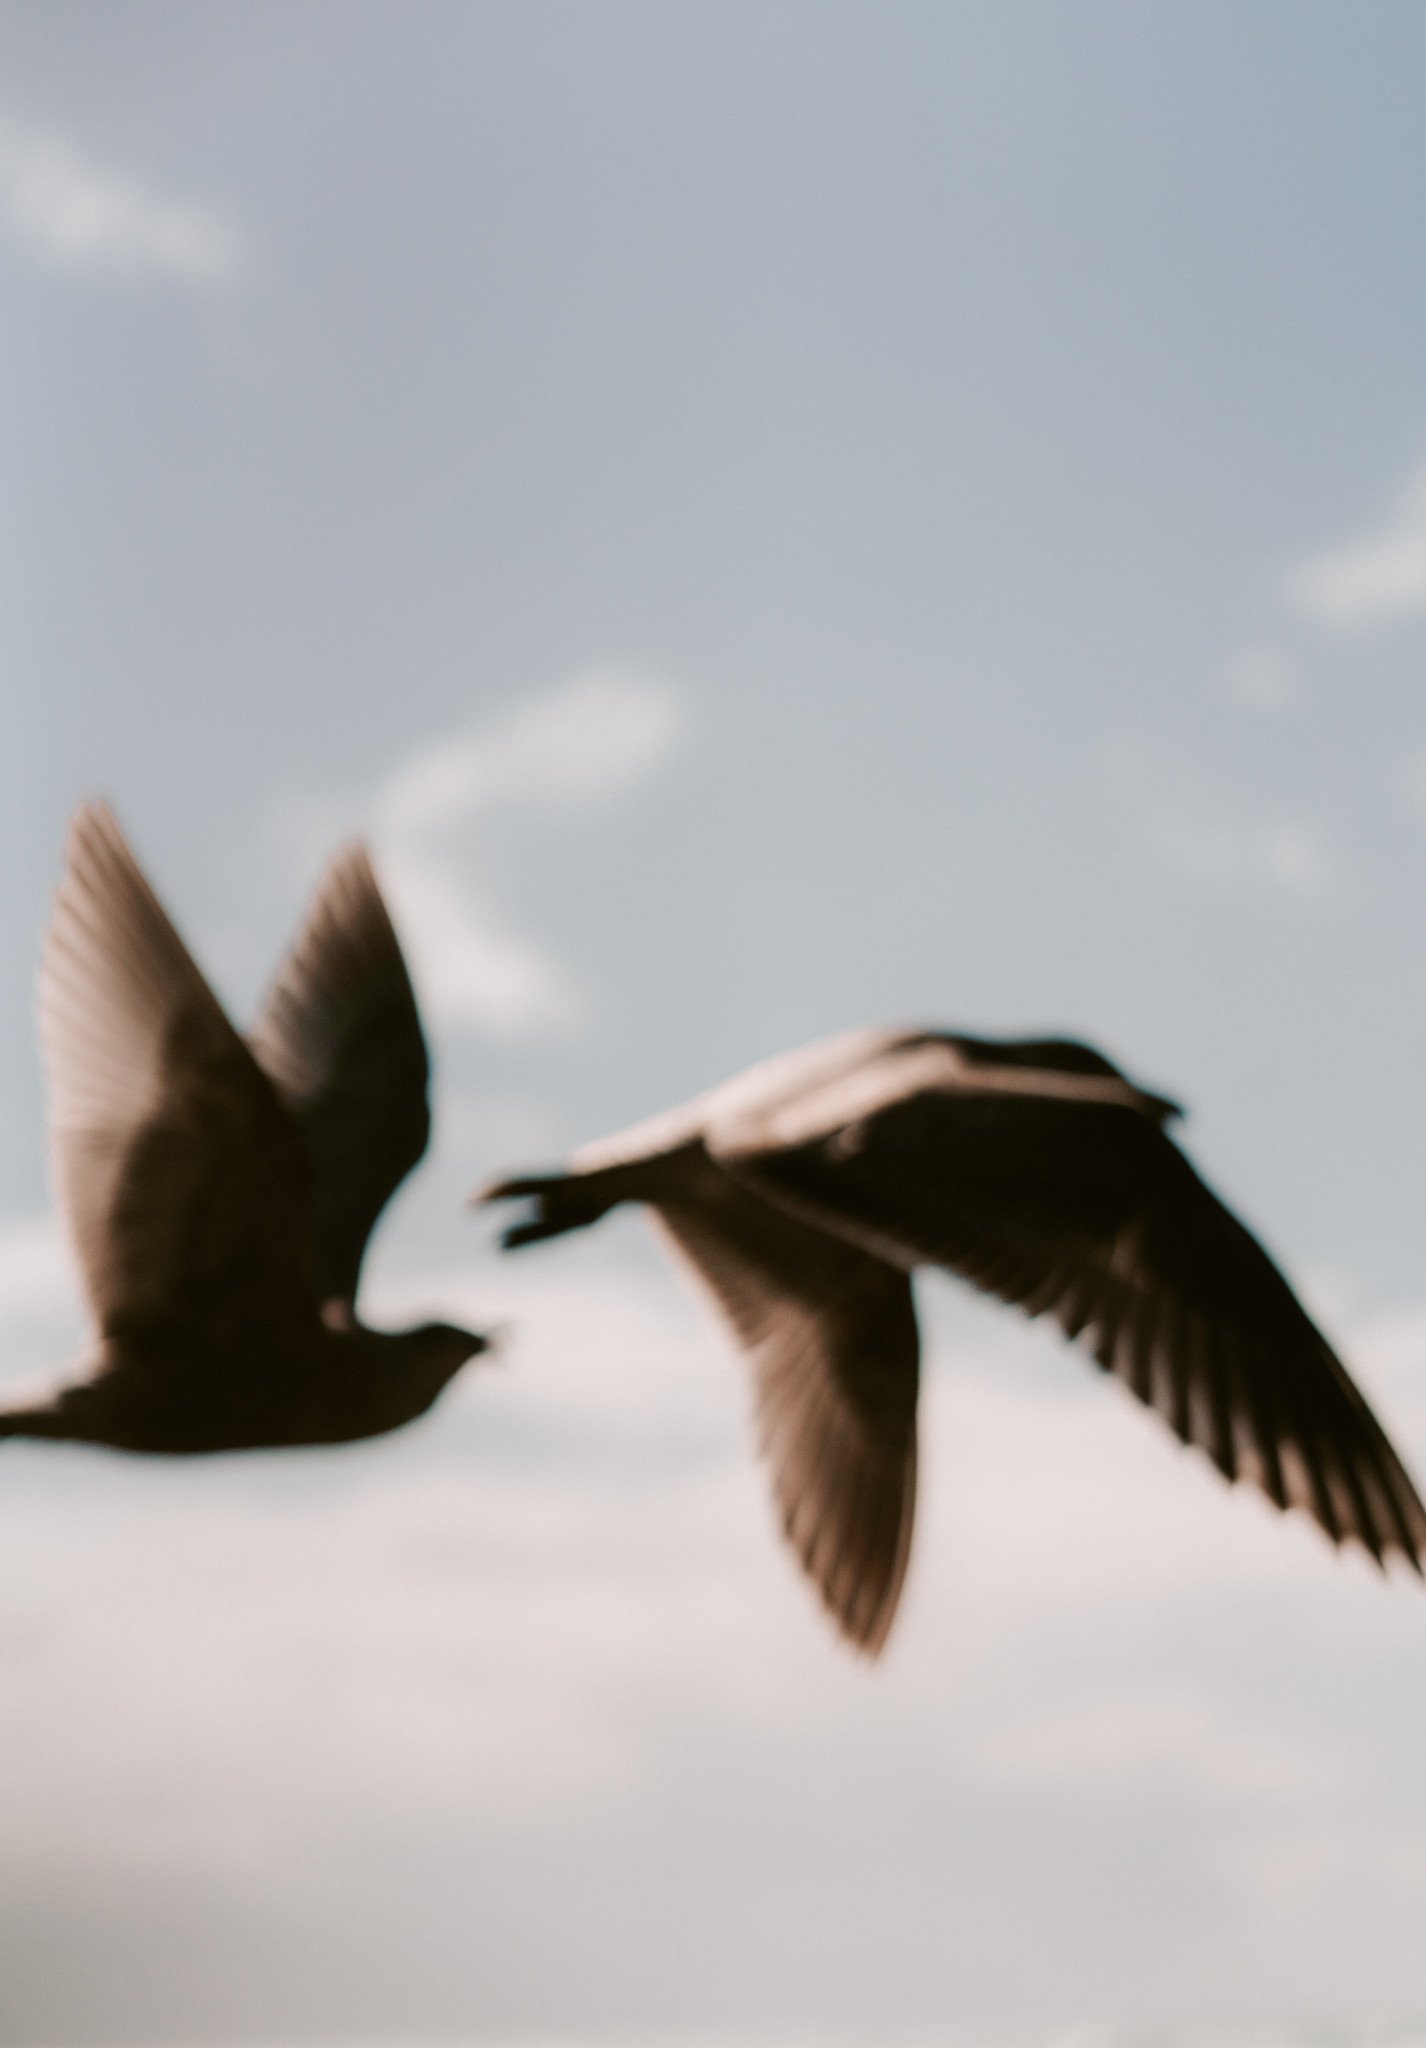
772 517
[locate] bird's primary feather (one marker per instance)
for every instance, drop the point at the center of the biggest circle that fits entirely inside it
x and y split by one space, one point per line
340 1038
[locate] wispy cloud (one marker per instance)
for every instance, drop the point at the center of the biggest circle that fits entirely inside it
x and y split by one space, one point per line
1264 677
82 217
583 743
474 968
1381 577
1281 855
575 747
589 739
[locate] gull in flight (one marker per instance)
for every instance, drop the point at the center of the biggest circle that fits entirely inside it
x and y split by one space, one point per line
220 1194
806 1191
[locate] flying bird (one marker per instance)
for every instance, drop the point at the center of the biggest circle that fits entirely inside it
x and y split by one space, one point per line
220 1194
806 1191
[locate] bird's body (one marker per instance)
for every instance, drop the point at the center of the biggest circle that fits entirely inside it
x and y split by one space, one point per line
220 1194
290 1384
805 1192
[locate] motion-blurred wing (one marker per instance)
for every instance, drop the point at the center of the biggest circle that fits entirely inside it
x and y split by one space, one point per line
341 1040
830 1333
1083 1209
181 1174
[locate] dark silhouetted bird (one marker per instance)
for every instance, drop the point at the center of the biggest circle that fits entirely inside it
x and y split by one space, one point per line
220 1195
806 1191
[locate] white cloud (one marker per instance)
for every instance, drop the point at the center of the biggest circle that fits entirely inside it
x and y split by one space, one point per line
552 1630
494 1124
578 745
1264 677
436 1612
1392 1348
1381 577
80 217
1282 854
43 1316
37 1271
473 968
589 739
1126 1736
1292 856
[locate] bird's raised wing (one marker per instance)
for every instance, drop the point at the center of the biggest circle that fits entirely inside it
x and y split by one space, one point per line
180 1172
341 1040
830 1334
1083 1209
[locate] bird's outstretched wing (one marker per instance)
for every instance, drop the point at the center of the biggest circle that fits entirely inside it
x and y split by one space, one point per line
830 1334
341 1040
181 1174
1085 1210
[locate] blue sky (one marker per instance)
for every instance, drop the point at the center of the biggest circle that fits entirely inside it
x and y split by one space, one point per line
772 518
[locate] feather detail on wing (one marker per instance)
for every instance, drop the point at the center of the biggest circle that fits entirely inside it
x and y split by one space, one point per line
181 1176
830 1335
340 1037
1086 1211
